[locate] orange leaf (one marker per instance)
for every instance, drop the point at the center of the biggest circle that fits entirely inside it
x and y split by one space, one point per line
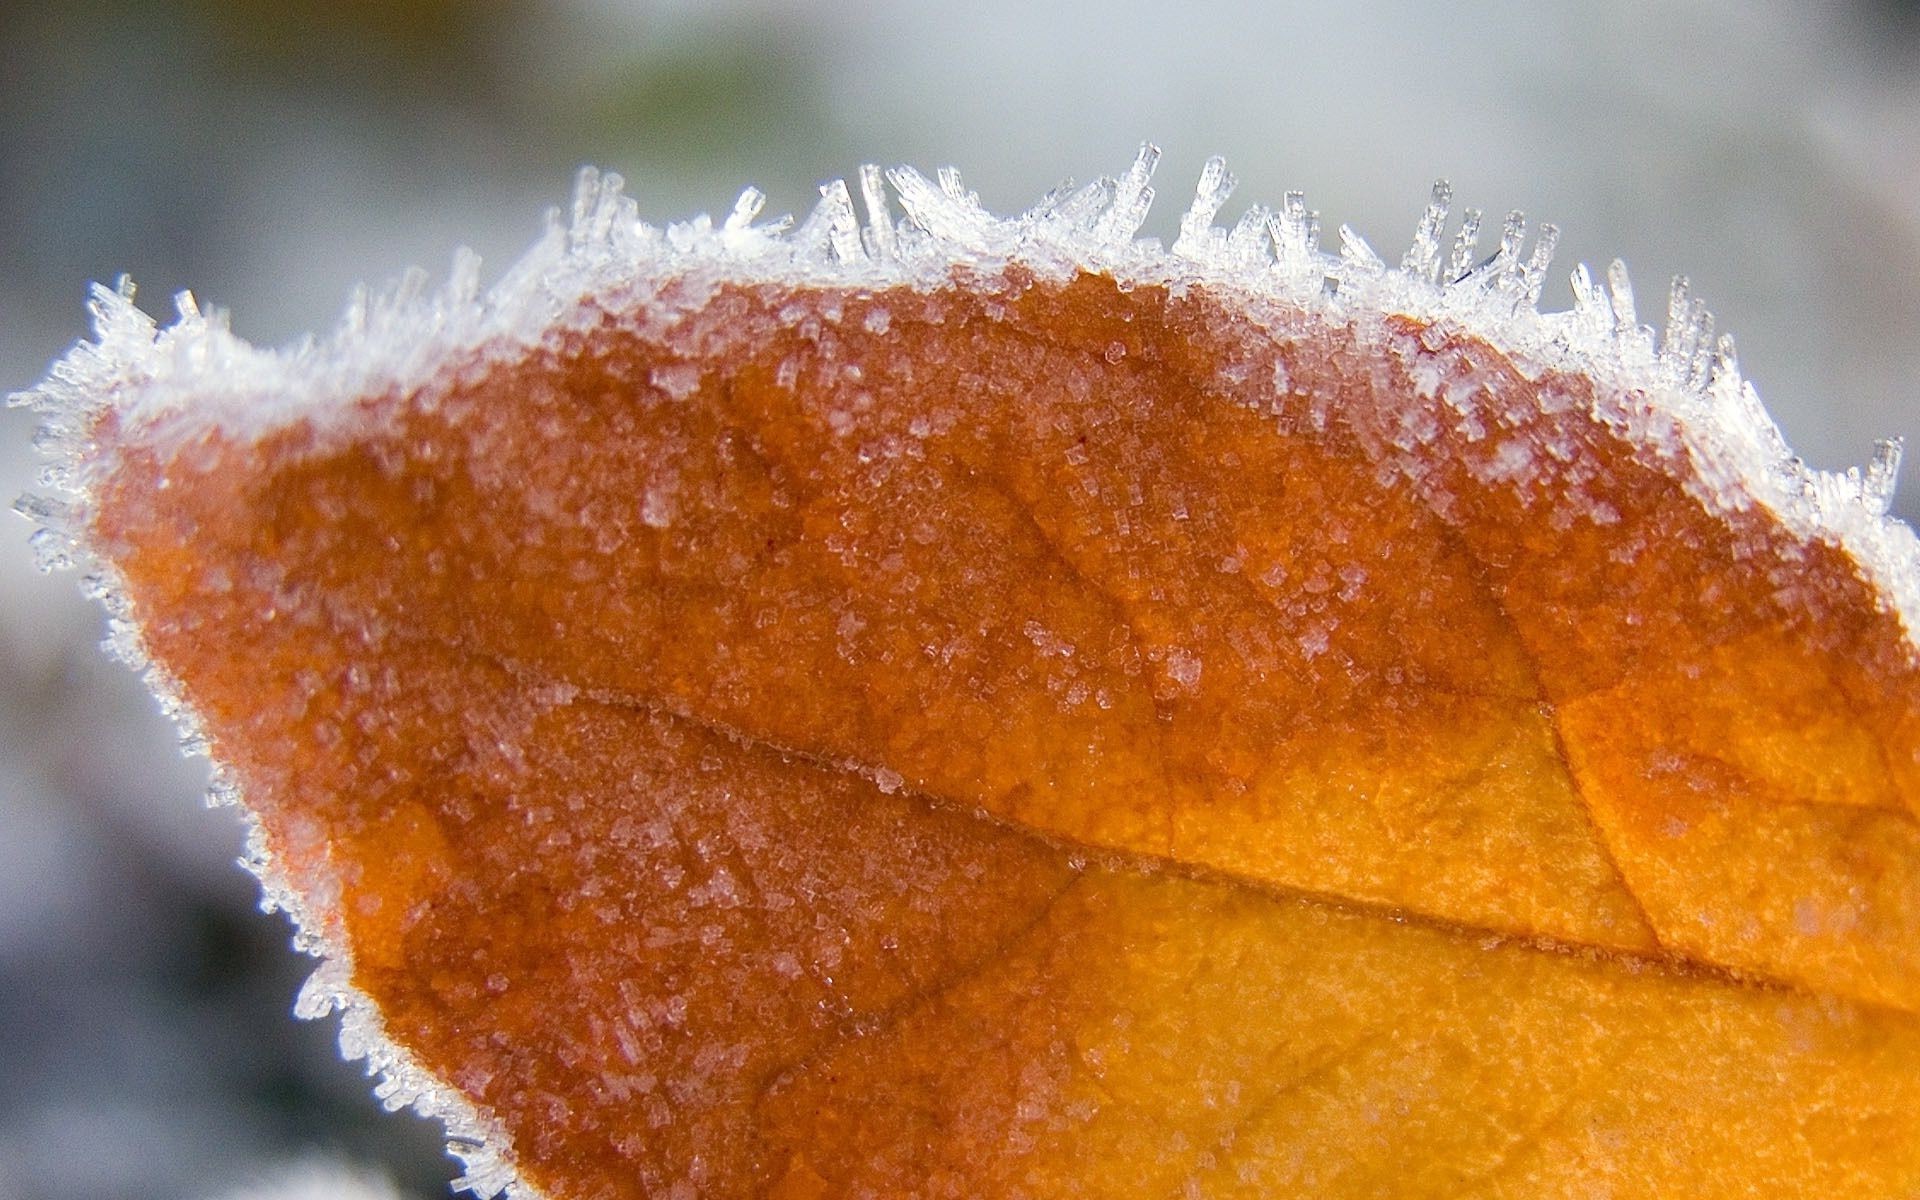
991 708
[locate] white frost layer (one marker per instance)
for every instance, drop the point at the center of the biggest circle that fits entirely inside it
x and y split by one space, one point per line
602 258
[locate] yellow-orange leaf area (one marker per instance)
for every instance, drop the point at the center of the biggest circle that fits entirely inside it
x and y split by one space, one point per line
1036 738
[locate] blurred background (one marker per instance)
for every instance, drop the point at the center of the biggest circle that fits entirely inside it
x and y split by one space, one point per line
270 154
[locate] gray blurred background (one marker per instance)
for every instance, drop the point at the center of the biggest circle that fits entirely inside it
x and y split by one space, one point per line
270 154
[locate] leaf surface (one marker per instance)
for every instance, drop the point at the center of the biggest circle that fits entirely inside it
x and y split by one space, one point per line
1034 733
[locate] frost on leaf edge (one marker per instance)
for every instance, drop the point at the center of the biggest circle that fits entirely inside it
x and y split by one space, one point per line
598 256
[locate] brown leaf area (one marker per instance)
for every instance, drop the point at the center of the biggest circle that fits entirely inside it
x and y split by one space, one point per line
1038 739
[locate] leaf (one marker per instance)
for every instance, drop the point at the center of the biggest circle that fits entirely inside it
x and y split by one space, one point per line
979 708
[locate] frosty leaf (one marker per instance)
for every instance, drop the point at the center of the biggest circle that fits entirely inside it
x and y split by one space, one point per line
980 707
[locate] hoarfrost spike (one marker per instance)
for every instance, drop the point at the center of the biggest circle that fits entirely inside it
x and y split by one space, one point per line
41 510
1590 307
1132 197
1198 238
813 235
938 212
1247 244
873 193
1422 259
586 192
51 435
1679 320
1506 260
600 206
955 190
1700 370
1625 319
1881 475
1048 206
745 209
1080 209
1296 235
1465 243
842 224
1682 337
52 551
1533 275
1725 370
1357 256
